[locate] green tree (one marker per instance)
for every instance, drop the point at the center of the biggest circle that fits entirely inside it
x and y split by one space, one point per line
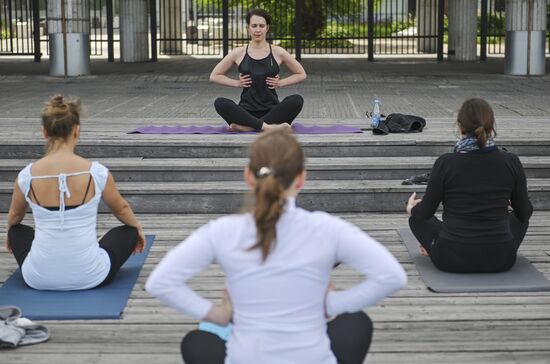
316 14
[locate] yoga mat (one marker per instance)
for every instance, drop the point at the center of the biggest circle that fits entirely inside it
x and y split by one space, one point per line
207 129
523 277
106 302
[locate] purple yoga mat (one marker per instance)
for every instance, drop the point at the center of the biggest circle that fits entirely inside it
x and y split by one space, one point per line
207 129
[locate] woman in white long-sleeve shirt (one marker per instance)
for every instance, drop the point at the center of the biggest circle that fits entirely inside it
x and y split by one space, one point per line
278 259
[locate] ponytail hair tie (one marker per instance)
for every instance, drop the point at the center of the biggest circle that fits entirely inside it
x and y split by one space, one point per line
264 172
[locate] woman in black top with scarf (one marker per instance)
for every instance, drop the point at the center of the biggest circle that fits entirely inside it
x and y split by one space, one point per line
478 185
258 62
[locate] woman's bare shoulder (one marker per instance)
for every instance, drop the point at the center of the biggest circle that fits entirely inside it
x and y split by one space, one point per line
238 52
281 54
280 51
236 55
53 165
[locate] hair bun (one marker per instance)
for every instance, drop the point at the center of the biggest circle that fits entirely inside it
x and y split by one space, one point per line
56 101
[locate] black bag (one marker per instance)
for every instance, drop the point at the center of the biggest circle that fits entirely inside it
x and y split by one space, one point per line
400 123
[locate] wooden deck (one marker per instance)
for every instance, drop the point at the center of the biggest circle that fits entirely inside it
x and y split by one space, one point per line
414 326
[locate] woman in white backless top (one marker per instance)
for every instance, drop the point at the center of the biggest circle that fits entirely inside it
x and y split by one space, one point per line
64 190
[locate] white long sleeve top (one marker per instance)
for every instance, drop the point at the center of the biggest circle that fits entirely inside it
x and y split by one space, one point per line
279 305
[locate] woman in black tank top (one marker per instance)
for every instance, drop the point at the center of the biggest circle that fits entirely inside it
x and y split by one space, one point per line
258 63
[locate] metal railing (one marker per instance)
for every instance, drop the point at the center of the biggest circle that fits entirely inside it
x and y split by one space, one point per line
17 24
20 18
101 19
212 27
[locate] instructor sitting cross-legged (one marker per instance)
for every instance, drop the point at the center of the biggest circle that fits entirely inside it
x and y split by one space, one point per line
259 107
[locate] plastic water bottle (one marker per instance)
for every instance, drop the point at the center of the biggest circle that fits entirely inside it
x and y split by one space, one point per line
375 113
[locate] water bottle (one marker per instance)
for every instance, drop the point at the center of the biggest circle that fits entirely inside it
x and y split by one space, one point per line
375 113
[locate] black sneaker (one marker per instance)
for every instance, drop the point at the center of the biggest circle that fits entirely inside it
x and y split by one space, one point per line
421 179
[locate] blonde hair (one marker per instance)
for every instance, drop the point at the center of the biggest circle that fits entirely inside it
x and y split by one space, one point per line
60 117
276 158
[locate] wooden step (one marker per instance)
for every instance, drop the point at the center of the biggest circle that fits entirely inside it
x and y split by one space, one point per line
228 196
231 169
107 143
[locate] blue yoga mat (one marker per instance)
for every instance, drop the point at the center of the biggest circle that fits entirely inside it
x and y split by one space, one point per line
106 302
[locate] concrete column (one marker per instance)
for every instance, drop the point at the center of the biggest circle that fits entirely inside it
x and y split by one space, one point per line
426 24
462 30
69 33
171 24
134 30
525 37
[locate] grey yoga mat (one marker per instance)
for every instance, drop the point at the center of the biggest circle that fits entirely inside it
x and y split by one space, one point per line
523 277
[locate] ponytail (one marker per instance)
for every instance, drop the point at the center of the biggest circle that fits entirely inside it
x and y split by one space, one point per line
481 136
276 158
268 194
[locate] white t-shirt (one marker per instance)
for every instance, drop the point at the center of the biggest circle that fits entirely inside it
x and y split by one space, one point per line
65 253
279 305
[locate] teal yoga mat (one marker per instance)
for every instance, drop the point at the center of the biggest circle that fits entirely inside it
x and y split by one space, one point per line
106 302
523 277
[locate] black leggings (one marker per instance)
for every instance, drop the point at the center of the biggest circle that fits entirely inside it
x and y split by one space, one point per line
284 112
119 243
350 336
464 256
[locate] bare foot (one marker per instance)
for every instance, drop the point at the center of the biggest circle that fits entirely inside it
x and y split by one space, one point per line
236 128
423 251
275 126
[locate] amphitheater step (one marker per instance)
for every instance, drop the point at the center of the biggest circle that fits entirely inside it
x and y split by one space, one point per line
231 169
204 146
227 196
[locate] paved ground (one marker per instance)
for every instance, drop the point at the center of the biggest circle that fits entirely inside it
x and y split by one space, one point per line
335 89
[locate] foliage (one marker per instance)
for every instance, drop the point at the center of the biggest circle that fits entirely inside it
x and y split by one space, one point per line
315 17
496 24
4 31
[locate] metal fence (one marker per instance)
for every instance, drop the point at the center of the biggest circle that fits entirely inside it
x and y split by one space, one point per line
20 18
496 26
17 24
101 16
211 27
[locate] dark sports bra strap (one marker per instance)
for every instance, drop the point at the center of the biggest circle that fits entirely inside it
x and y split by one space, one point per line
87 189
34 196
83 200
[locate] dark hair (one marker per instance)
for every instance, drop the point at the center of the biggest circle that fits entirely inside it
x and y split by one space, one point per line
258 12
276 158
476 119
59 118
